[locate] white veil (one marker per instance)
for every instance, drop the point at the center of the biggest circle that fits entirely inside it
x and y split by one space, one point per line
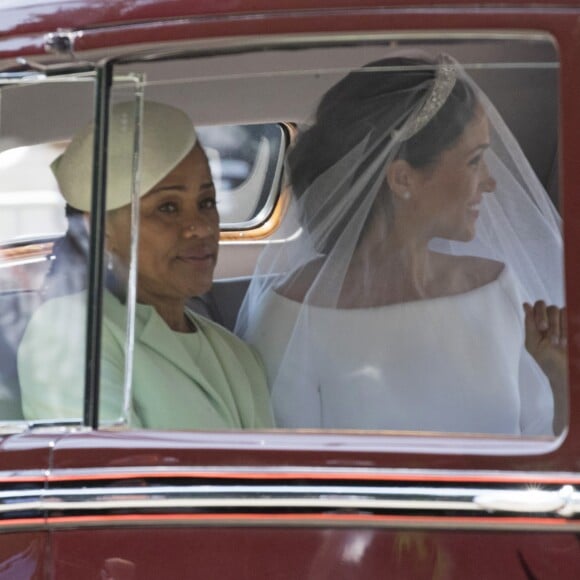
344 342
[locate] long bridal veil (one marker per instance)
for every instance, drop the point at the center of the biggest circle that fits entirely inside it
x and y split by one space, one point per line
327 308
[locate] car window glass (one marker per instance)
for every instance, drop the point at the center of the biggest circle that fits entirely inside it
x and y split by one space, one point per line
324 378
246 163
43 246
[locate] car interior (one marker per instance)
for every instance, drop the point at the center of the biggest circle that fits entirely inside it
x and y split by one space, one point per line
246 136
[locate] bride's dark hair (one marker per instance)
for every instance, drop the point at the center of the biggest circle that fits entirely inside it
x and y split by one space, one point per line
367 103
365 107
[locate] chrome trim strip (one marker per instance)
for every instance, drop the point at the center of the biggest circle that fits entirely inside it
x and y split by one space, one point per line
324 521
13 478
316 472
18 497
418 500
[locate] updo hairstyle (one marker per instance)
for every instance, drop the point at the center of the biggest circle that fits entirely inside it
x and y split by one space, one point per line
369 104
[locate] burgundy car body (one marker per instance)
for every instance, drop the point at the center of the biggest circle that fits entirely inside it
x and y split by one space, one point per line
90 503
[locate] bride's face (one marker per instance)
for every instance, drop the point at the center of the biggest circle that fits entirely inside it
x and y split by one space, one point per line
447 195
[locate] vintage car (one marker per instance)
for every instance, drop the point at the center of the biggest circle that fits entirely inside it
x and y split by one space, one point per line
82 497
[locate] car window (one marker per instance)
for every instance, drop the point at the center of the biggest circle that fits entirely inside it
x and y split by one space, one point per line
307 388
35 116
246 163
275 247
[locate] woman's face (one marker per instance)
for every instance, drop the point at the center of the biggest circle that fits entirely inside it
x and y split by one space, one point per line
178 233
447 196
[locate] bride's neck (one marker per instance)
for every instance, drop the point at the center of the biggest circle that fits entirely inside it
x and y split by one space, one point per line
403 259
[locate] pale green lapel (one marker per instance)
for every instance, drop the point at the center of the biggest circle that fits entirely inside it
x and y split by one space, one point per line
151 330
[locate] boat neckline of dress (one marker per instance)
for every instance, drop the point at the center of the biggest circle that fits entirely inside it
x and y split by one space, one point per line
409 303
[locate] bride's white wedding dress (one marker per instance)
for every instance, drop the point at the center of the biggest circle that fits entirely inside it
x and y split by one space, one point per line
448 364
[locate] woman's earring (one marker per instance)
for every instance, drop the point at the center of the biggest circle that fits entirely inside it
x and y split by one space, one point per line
406 195
110 264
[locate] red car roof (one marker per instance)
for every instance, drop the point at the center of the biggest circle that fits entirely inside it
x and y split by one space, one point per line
24 17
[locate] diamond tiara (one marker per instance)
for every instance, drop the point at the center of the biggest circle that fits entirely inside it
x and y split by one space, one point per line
445 78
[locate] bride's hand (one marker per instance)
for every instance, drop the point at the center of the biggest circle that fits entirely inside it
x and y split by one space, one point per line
546 342
546 336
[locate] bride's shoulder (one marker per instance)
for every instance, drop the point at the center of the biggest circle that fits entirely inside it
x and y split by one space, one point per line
297 284
474 270
482 269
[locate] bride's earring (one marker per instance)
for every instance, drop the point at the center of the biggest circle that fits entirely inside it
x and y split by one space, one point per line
406 195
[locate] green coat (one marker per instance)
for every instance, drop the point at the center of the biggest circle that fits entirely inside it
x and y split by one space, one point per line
208 380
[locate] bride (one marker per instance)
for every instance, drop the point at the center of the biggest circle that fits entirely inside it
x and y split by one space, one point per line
415 299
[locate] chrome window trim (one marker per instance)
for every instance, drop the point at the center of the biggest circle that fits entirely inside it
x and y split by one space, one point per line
242 44
287 472
95 283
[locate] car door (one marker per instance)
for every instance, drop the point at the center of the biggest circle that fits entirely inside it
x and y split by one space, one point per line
128 503
415 504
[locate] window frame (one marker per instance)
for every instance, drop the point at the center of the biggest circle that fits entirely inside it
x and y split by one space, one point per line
301 442
478 445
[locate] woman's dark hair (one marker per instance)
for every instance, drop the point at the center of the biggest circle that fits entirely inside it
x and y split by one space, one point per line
366 104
